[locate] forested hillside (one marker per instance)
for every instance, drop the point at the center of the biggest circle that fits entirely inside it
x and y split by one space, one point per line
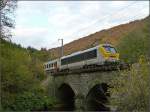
21 76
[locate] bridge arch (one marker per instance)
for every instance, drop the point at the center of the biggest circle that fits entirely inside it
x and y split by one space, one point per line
97 98
66 96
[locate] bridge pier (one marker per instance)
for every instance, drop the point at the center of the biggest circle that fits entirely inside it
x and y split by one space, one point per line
82 88
79 104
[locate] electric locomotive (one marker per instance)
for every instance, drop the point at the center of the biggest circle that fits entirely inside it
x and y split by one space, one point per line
103 54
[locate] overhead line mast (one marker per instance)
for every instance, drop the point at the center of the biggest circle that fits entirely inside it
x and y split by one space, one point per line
149 7
62 49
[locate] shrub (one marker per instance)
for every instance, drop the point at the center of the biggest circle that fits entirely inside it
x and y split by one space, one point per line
33 101
131 89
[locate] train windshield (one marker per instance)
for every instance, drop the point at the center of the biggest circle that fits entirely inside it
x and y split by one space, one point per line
110 49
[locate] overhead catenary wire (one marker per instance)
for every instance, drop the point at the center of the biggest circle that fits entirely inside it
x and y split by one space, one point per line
114 14
81 29
102 19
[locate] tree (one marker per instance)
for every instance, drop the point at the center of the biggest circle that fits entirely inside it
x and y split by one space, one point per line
21 80
7 17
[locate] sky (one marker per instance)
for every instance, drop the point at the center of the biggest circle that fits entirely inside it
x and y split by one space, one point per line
40 24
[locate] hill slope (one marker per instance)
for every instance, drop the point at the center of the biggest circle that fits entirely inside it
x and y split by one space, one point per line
112 35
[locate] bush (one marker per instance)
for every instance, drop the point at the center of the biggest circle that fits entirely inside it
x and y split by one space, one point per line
131 89
33 101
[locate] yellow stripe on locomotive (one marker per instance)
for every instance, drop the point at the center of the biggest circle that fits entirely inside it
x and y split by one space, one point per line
108 52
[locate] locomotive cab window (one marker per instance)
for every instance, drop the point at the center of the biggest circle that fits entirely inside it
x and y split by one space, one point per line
110 49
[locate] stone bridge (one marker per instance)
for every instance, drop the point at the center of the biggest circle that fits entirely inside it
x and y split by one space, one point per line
82 91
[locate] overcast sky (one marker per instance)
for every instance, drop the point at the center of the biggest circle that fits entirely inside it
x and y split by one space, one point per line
42 23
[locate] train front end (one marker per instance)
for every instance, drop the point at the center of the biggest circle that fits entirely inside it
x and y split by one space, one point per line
109 54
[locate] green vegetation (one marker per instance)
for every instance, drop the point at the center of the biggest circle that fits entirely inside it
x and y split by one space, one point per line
134 44
21 76
34 100
131 90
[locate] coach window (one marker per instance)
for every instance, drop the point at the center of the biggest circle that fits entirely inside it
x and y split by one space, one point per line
78 57
68 60
64 61
73 59
86 55
82 56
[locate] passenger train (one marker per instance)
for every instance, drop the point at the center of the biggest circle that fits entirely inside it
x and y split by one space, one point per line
102 54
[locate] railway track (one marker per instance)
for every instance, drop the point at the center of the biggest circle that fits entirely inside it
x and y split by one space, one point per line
93 69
